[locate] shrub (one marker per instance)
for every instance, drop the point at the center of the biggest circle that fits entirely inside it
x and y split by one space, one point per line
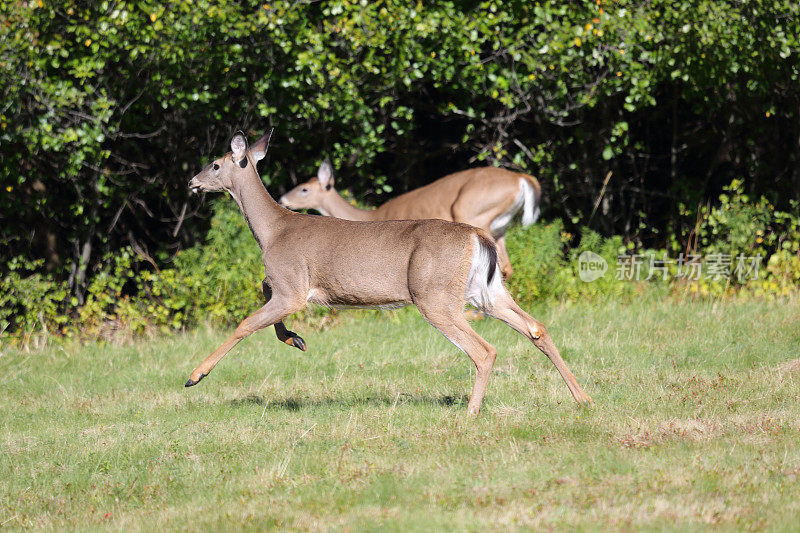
29 300
739 225
546 267
761 244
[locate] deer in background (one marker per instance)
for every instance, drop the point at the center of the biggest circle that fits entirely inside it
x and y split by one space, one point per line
433 264
487 198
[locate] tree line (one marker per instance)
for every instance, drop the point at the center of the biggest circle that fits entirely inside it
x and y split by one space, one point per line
108 108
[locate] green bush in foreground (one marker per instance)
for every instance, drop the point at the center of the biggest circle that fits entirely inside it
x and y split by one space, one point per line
219 282
545 265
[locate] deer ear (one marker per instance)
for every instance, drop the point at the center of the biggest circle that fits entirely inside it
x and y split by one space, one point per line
325 174
238 146
259 148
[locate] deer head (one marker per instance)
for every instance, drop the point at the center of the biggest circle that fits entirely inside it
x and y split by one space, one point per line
223 173
313 193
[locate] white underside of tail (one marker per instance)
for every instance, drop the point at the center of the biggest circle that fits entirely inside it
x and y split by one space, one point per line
526 201
480 293
530 211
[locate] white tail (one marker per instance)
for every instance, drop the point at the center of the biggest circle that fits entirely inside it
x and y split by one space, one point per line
530 206
484 279
433 264
488 198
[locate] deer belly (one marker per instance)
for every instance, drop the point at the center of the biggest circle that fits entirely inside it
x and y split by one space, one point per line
352 301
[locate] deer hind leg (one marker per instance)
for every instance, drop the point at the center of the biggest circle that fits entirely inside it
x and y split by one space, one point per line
507 310
271 313
502 257
451 323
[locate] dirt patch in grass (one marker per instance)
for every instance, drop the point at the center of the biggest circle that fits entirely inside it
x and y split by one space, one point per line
790 367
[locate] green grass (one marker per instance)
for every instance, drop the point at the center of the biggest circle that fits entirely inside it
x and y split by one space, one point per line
694 425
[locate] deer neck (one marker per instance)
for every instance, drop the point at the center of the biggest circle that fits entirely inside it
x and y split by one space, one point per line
262 214
336 206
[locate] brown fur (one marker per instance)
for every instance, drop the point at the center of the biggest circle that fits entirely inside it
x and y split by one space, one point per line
476 197
335 262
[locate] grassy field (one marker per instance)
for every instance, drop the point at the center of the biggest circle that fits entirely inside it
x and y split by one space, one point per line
695 424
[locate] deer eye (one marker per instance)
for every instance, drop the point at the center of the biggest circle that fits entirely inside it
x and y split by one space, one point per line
216 166
304 189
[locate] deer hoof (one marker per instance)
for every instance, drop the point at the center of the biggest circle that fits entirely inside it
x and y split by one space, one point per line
298 342
190 382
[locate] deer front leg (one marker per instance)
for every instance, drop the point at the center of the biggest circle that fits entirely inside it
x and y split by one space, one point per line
289 337
274 311
284 335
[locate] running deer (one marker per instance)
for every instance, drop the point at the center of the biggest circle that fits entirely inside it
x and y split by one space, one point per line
433 264
487 198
